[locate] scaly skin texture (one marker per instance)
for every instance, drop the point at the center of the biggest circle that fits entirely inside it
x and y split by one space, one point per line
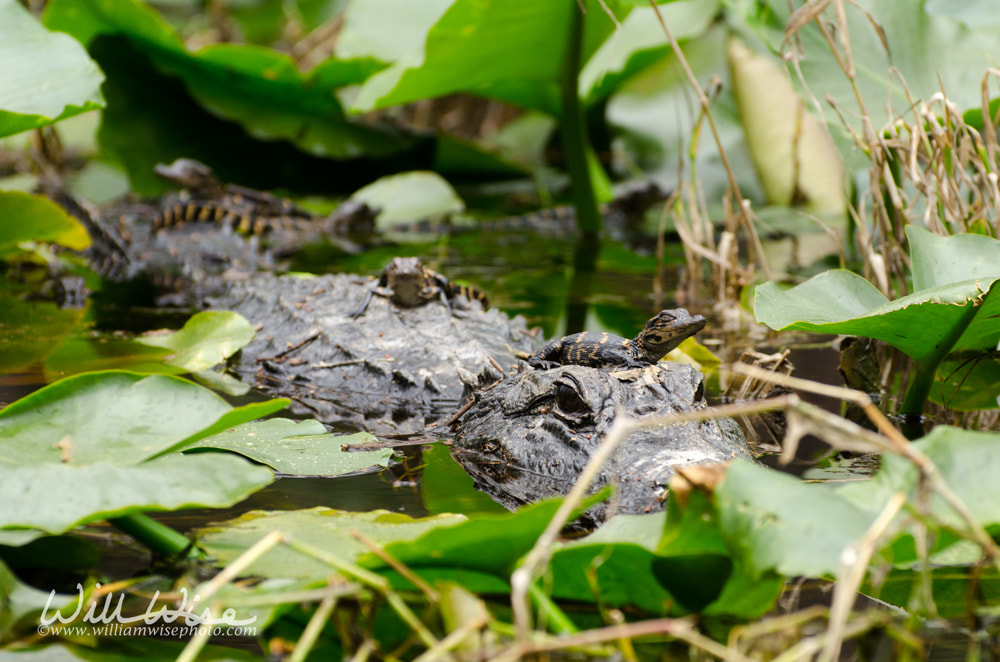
194 243
530 436
662 333
393 370
408 284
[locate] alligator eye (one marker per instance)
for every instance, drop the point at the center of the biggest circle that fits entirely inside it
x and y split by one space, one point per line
568 400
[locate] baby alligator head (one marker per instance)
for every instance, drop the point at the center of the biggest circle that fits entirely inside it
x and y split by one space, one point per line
665 331
531 435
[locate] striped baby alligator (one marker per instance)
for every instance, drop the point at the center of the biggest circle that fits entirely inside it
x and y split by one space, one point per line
408 284
203 198
662 333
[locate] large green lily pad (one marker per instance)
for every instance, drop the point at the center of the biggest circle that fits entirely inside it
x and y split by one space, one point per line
409 196
297 448
90 446
780 524
205 340
45 76
950 274
328 529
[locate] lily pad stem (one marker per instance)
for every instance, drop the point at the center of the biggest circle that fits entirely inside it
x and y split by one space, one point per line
574 132
154 535
920 386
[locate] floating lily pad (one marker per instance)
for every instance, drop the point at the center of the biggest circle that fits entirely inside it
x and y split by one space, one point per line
325 528
298 448
409 196
46 76
205 340
29 217
781 524
88 447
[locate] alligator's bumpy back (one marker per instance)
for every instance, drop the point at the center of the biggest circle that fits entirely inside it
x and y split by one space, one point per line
391 370
530 436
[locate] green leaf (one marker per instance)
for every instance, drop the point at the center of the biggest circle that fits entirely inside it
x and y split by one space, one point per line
83 448
297 448
325 528
918 324
513 51
480 553
57 497
122 416
642 42
781 524
387 30
28 217
256 87
409 196
205 340
45 76
778 523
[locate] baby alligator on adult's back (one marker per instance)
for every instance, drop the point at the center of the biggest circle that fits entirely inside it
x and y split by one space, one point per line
662 333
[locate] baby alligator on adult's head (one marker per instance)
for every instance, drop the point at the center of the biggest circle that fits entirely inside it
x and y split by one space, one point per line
531 435
662 333
408 283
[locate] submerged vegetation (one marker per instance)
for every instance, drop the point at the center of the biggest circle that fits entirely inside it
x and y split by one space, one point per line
881 180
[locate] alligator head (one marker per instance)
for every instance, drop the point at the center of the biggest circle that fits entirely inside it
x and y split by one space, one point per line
530 436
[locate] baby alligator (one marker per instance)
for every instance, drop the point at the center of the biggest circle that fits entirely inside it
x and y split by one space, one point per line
248 211
408 284
665 331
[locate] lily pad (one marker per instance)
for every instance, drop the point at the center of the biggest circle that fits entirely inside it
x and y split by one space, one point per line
29 217
205 340
297 448
57 497
410 196
46 76
325 528
781 524
89 446
953 308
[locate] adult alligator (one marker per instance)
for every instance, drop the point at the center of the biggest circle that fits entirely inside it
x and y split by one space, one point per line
386 364
530 436
191 243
